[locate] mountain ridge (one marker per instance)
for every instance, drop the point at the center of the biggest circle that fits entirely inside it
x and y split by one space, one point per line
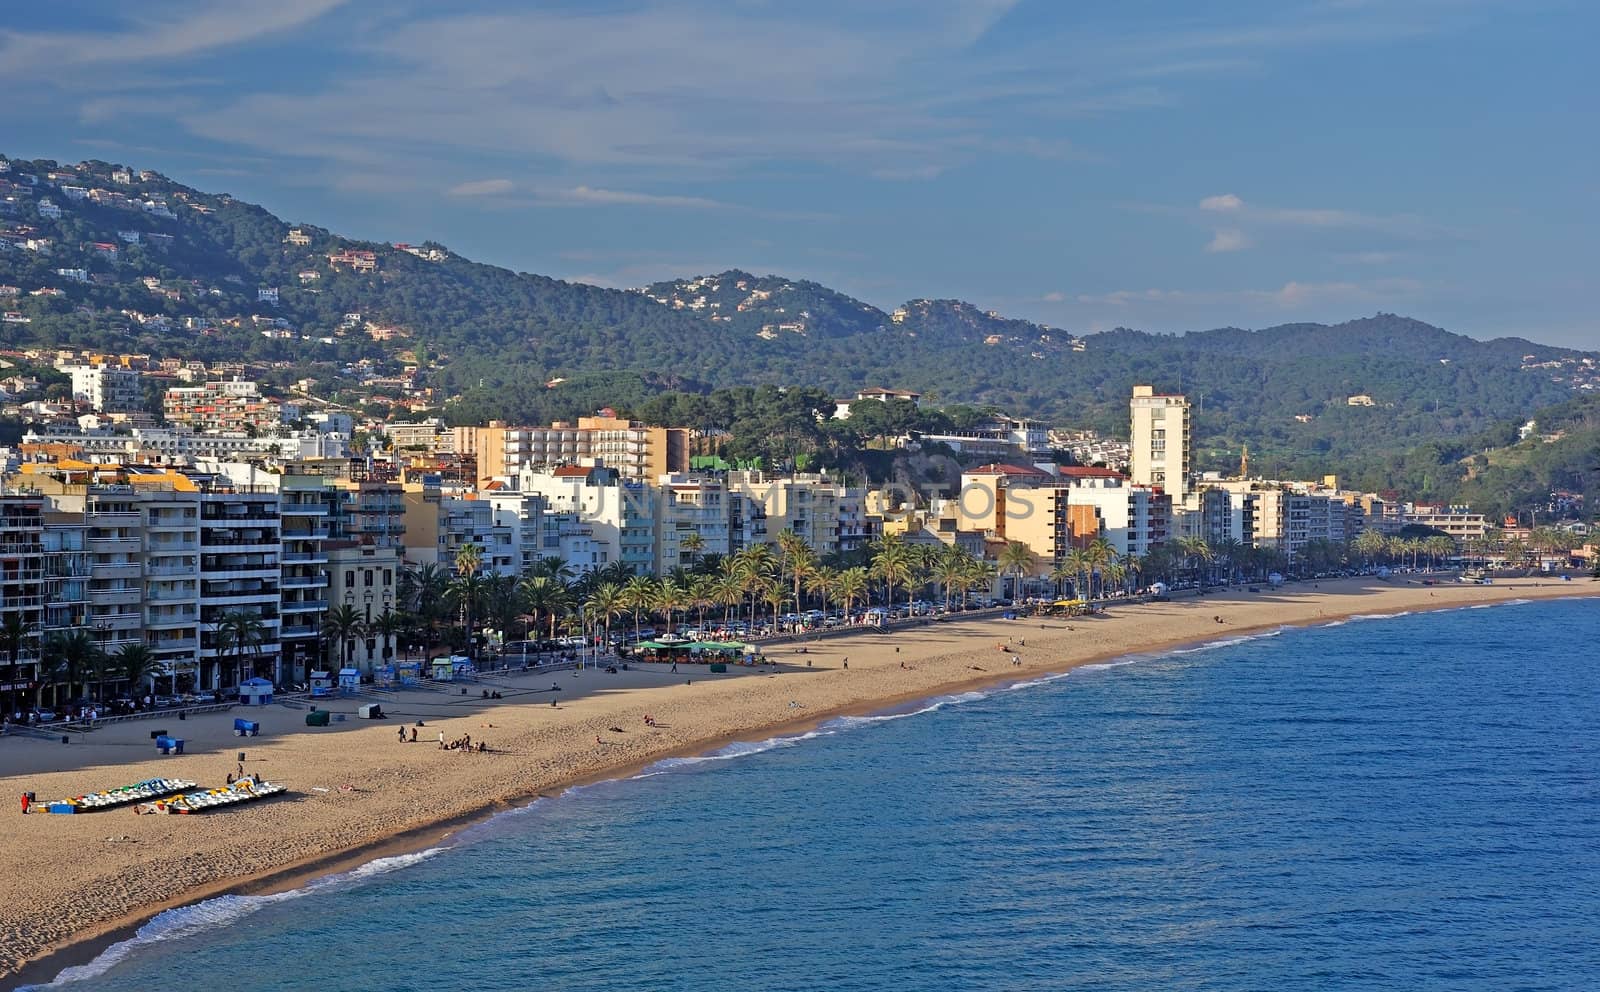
159 266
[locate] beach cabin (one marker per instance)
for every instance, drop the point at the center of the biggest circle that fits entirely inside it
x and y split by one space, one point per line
349 681
255 692
407 672
321 685
449 669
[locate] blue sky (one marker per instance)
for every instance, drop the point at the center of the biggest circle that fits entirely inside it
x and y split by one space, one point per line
1161 164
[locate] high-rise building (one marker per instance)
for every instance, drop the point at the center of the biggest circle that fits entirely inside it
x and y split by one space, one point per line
1160 441
22 595
107 389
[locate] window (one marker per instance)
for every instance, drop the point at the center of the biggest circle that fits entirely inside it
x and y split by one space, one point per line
388 576
367 580
349 580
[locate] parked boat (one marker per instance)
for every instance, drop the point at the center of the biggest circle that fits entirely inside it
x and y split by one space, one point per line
152 788
243 791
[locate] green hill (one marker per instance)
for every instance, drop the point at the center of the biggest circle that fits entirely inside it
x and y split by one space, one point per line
188 270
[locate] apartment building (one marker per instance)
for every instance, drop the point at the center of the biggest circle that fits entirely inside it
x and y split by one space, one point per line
365 578
22 595
1053 514
230 405
439 523
636 450
619 514
1159 445
240 541
685 505
829 516
106 388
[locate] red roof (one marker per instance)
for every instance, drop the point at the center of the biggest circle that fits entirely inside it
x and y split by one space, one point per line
1088 472
570 472
995 468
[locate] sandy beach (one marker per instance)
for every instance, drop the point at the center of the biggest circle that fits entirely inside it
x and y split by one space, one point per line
68 884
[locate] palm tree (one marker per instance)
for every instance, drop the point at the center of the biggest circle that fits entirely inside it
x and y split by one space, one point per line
850 587
239 633
343 624
1017 559
821 582
467 592
15 634
605 604
552 567
387 627
637 597
469 558
692 543
1369 544
668 598
948 570
1113 572
135 663
891 563
753 565
68 657
727 591
540 594
1075 565
699 598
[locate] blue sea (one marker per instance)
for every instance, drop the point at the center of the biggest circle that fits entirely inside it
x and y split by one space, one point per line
1402 803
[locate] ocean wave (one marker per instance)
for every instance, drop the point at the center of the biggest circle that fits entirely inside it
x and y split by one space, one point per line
216 913
1227 642
1380 616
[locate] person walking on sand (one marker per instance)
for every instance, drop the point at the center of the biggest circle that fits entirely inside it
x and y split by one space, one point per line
413 735
402 735
441 739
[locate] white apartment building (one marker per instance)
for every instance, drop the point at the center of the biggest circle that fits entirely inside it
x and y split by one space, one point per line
620 514
240 541
1159 445
107 389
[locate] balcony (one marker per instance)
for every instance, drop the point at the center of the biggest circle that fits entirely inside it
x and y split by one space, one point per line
303 605
303 509
302 581
172 547
187 644
105 544
169 622
304 557
298 630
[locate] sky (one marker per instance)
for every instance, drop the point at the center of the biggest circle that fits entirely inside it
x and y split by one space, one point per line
1159 164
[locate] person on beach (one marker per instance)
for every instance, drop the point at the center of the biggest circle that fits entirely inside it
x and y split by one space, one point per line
403 734
441 739
847 661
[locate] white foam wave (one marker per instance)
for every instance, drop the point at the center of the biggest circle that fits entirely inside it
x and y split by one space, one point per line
1380 616
216 913
1228 642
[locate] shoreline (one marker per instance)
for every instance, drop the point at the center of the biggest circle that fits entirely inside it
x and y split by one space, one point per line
83 943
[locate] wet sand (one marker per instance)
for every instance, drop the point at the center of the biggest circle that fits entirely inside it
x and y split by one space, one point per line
70 884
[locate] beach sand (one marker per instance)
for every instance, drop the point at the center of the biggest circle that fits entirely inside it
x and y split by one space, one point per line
69 884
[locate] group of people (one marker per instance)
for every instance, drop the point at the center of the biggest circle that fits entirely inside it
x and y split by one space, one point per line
462 743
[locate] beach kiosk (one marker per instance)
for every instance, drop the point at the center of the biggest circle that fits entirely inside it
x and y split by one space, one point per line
349 681
255 692
321 685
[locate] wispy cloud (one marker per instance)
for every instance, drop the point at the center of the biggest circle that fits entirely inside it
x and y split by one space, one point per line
200 27
1291 295
1226 240
588 196
482 187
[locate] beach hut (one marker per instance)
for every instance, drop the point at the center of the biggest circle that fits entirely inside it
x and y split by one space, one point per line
321 685
255 692
349 681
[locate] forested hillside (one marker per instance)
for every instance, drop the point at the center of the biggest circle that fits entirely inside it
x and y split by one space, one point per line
139 262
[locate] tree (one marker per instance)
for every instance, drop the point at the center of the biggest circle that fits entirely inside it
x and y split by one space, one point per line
1016 559
851 587
387 627
605 604
891 564
134 663
637 597
240 634
342 625
693 543
67 657
542 595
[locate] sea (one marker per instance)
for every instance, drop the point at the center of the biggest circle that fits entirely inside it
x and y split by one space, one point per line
1406 802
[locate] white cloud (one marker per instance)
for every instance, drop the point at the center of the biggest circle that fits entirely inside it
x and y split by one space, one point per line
482 187
1228 239
588 196
1055 297
202 28
1221 202
1291 295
